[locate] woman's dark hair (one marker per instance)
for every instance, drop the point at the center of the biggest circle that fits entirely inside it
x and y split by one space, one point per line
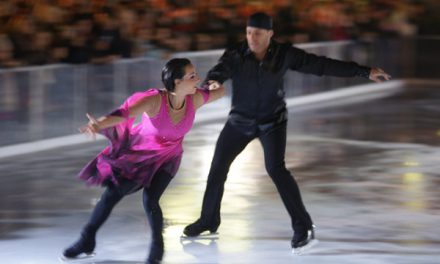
173 69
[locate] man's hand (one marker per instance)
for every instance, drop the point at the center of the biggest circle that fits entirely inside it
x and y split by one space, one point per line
213 85
378 75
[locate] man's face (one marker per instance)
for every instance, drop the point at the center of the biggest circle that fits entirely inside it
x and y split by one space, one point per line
258 39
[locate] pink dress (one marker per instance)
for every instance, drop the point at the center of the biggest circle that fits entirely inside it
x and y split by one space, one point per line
138 152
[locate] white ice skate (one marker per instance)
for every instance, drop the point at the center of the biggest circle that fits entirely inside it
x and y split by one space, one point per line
205 235
77 259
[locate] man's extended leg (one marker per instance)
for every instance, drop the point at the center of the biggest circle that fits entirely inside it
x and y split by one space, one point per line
229 144
274 145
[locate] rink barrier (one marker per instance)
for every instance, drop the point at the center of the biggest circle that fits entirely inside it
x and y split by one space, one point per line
340 96
50 101
42 105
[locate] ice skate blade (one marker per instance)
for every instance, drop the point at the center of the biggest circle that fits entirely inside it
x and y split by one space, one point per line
78 258
204 235
304 249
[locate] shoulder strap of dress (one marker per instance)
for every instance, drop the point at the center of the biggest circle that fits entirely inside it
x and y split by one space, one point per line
190 104
163 102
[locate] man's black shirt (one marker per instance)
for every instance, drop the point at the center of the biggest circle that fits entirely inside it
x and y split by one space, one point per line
257 86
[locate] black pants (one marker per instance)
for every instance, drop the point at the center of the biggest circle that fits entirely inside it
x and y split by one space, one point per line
229 144
151 195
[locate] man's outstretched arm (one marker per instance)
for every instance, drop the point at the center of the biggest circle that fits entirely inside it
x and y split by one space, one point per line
302 61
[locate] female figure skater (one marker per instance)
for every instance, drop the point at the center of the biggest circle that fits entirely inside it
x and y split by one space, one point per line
145 156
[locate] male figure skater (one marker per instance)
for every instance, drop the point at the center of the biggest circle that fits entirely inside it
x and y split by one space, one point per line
257 67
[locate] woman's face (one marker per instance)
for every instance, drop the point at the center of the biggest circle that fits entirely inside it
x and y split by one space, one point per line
188 83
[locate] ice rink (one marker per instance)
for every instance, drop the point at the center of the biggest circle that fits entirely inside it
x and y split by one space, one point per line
367 165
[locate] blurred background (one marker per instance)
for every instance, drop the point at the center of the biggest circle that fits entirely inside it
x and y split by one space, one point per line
98 31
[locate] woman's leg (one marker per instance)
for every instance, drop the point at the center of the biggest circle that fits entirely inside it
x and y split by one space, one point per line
151 196
111 196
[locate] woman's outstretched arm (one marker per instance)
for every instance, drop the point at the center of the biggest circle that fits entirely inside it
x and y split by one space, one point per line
216 91
148 105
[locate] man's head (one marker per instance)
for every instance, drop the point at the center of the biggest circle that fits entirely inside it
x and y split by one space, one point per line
259 32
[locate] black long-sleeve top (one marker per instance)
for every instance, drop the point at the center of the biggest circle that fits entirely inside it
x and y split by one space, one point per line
257 86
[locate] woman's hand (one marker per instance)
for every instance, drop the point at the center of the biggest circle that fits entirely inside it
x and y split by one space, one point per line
91 128
379 75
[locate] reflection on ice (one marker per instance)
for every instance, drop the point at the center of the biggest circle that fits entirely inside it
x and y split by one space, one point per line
369 175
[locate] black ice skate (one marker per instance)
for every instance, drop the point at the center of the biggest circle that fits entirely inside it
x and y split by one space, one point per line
198 229
301 242
83 248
